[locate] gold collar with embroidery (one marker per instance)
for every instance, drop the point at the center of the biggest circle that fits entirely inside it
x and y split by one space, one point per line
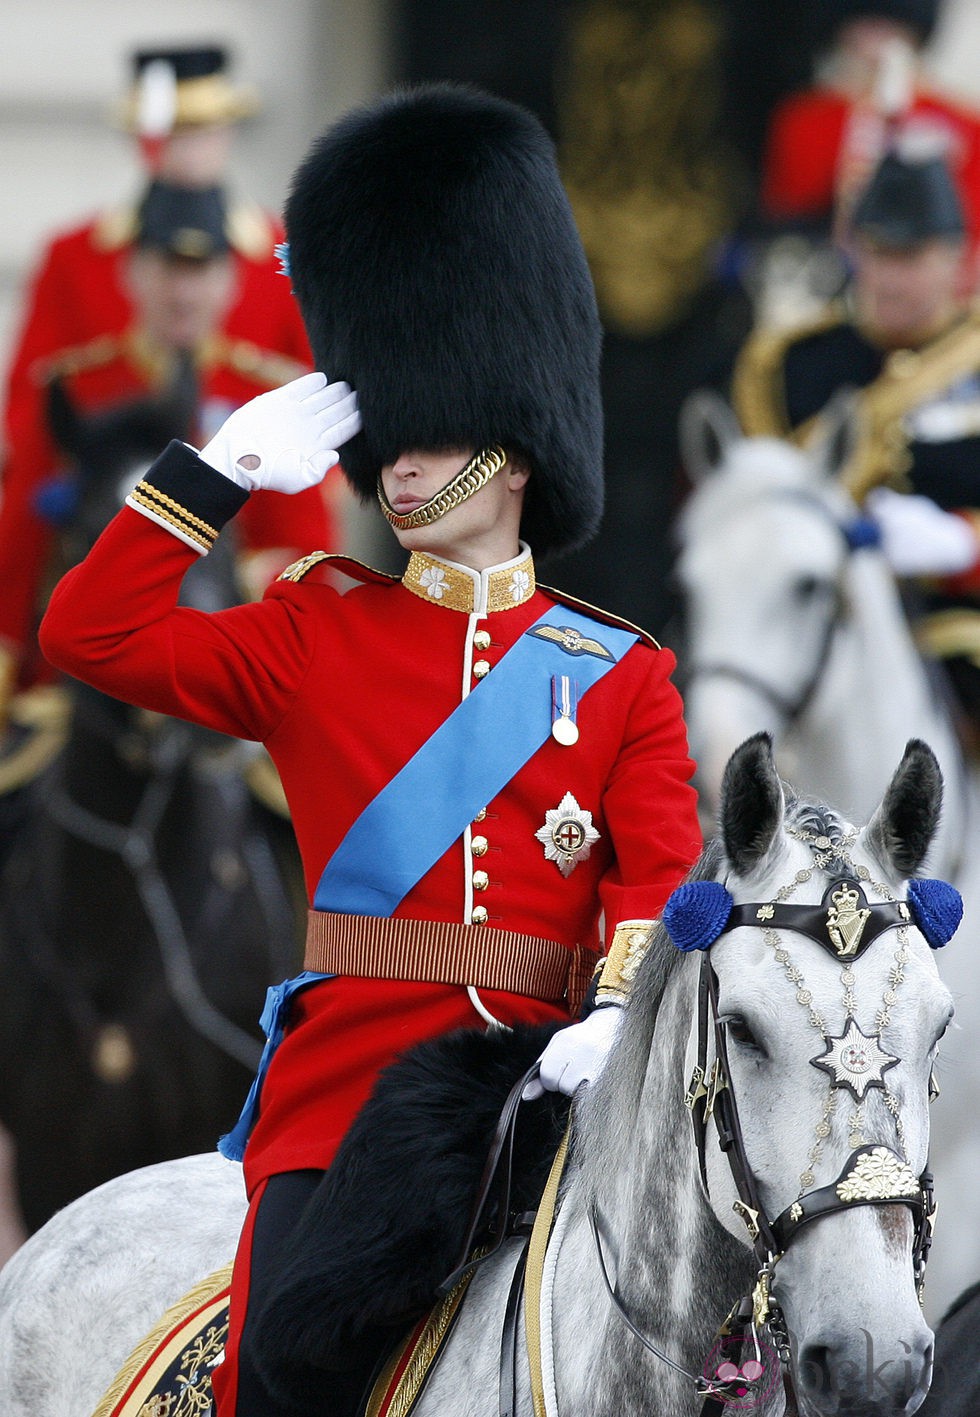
473 592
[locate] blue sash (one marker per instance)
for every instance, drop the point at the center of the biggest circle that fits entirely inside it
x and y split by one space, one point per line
467 761
508 714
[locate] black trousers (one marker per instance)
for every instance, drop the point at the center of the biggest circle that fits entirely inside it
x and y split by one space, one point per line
280 1208
340 1394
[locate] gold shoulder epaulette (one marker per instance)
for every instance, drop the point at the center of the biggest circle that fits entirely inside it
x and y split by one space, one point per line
296 570
758 394
347 565
265 366
98 352
115 227
605 617
250 231
909 378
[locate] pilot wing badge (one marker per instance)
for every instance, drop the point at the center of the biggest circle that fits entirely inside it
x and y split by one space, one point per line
572 641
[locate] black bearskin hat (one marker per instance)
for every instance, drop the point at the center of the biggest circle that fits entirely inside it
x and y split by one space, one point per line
907 202
438 269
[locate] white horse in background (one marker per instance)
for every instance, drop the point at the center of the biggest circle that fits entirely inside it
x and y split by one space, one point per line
794 625
714 1044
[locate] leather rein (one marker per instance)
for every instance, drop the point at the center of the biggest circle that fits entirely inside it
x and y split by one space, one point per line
710 1096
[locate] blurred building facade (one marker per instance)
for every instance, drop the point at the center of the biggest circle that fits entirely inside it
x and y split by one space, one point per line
598 72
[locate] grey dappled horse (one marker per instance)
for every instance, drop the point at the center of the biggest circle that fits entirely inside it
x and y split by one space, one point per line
764 1004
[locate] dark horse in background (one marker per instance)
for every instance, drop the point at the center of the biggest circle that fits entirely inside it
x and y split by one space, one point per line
147 897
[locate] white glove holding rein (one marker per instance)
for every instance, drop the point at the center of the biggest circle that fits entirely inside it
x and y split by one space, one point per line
919 538
285 440
576 1054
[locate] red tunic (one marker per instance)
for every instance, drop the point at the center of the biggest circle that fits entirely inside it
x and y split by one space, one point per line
343 688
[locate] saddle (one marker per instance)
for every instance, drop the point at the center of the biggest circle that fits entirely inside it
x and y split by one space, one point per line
169 1373
438 1168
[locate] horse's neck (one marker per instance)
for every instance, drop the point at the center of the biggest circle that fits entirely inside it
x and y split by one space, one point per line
874 695
678 1272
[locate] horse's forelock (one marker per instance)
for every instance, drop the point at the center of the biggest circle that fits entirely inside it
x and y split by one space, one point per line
816 819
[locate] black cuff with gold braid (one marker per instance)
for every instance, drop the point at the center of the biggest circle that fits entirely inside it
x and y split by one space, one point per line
623 957
187 496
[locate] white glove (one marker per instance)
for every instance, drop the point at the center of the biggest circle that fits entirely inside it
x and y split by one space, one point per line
943 422
576 1053
919 538
285 440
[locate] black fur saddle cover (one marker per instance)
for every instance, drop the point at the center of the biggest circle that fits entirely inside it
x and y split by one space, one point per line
388 1220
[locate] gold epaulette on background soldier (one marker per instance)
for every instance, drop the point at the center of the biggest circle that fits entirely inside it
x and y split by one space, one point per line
77 359
758 397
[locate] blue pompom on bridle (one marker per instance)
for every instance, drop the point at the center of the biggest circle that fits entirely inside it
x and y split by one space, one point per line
698 912
937 909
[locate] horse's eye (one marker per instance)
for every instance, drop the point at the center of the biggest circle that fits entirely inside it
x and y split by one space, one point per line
808 588
738 1031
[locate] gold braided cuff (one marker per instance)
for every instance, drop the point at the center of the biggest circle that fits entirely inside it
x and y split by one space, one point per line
476 474
146 497
623 958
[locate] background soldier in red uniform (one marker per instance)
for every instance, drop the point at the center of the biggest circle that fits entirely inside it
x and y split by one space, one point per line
481 772
825 142
182 276
182 110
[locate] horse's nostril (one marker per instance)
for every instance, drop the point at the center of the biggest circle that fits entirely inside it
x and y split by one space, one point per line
851 1380
815 1370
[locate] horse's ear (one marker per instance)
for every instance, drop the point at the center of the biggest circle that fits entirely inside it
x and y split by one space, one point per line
183 396
836 434
65 424
707 429
752 805
901 830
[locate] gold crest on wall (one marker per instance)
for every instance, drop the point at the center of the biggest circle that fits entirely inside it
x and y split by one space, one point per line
651 182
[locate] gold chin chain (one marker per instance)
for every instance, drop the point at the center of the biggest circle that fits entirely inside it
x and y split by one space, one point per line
476 474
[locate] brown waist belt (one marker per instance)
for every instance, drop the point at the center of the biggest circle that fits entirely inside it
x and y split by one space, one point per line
437 952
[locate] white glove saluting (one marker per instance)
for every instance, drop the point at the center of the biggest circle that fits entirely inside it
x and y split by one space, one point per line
576 1054
285 440
919 538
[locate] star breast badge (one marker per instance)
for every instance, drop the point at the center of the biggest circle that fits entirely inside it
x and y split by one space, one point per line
567 835
854 1060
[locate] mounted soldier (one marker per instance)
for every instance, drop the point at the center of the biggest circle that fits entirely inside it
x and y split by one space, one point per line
479 768
82 310
906 340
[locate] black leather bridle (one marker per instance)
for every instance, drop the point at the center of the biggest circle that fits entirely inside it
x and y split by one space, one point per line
791 707
710 1096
